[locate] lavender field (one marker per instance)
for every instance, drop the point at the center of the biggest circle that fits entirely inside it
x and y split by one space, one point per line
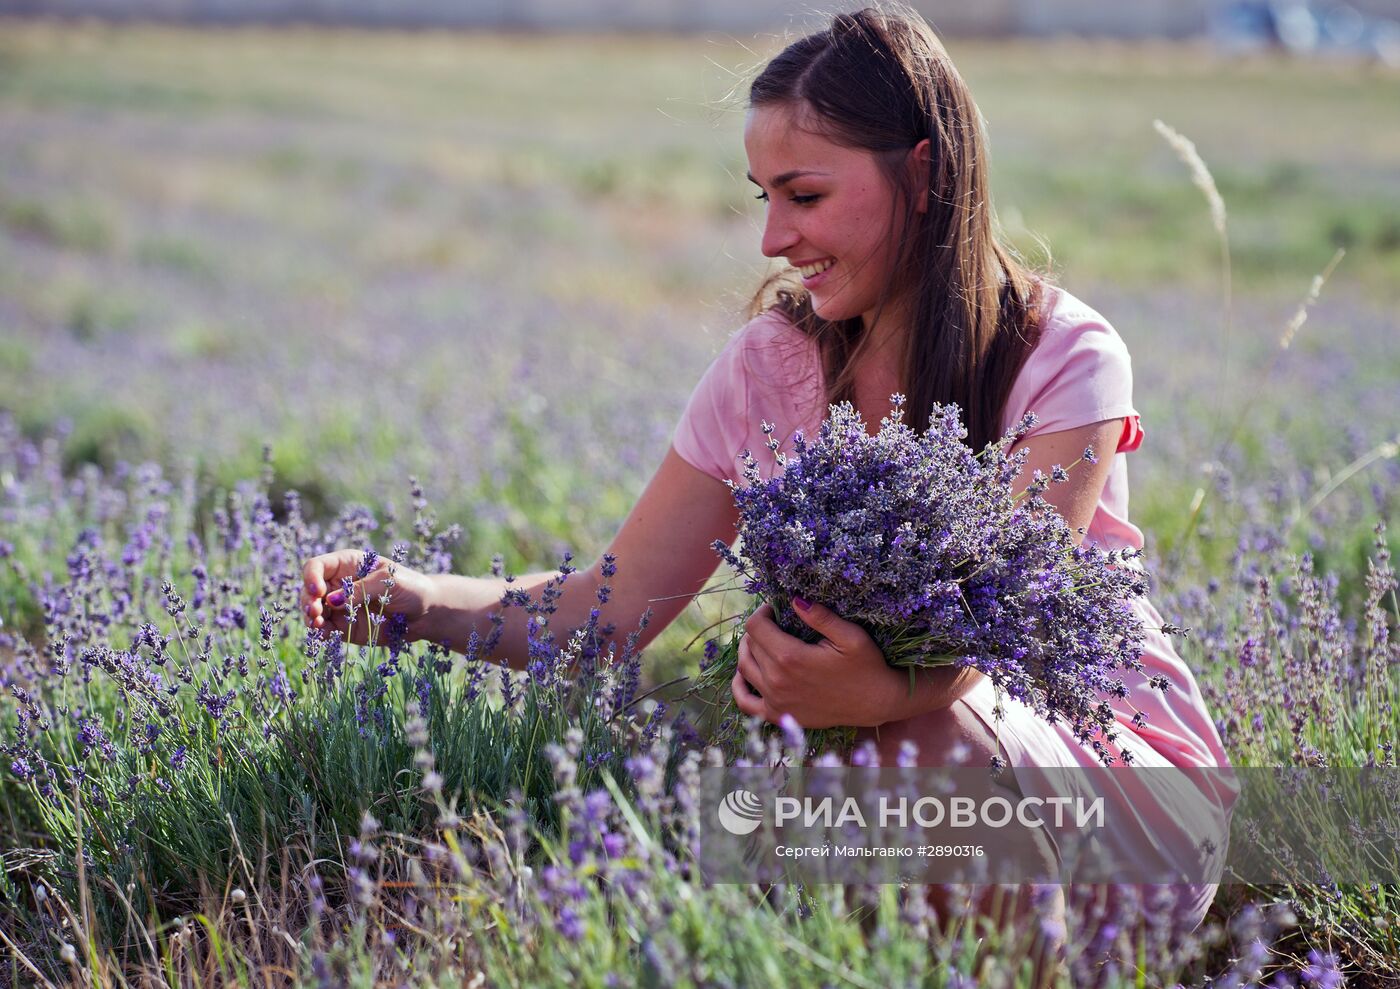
253 282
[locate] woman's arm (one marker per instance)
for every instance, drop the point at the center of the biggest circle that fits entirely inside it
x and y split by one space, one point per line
844 680
663 556
1077 498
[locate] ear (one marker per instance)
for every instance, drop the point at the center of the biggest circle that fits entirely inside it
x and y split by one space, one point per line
920 166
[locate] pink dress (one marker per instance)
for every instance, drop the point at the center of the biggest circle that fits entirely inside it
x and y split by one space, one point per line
1078 374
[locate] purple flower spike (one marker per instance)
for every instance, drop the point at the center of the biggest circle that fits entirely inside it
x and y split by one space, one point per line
1322 971
930 547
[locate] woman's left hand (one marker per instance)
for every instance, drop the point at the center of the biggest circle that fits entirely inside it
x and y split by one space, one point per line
841 680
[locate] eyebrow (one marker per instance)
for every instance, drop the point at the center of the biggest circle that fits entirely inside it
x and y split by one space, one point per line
786 177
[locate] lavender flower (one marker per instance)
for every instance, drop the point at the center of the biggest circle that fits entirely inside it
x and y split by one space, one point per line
1322 971
926 545
570 925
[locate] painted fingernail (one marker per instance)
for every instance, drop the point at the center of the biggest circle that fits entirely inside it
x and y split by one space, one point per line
336 599
802 603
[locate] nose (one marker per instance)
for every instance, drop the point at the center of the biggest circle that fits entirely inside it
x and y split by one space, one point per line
779 234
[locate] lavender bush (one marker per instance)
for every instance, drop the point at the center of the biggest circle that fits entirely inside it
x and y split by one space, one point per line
194 260
928 546
169 713
363 813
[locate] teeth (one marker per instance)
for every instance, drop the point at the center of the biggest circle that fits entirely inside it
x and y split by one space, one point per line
808 270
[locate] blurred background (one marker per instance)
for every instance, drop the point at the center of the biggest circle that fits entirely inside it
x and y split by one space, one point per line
1366 26
494 246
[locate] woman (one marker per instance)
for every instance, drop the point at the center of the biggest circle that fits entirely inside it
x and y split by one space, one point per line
868 150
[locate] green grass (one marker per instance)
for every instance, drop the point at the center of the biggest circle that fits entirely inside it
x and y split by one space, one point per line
1301 150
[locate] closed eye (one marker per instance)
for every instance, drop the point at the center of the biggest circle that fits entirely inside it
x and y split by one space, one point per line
762 197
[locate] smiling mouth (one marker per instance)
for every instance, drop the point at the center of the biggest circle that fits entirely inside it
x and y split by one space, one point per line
808 270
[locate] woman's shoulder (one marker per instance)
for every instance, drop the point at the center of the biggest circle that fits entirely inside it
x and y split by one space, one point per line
769 331
769 348
1072 333
777 354
1079 370
766 372
1065 318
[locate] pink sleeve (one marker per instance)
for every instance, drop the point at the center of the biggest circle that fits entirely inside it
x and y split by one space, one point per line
768 372
1079 373
711 429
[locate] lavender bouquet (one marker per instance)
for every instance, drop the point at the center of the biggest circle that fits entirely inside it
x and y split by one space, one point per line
927 546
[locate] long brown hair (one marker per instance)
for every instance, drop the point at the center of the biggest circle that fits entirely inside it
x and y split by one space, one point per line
879 79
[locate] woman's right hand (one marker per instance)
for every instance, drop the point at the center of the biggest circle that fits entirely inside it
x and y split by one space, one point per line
325 605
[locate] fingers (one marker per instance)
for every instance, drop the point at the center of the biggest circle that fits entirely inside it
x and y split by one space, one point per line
761 687
775 650
318 611
751 668
762 624
745 701
833 628
352 633
763 629
317 572
350 615
320 570
311 577
321 577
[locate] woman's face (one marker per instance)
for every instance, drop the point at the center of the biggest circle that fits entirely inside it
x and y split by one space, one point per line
831 212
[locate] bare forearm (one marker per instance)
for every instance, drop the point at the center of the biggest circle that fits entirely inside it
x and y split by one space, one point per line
933 689
462 605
